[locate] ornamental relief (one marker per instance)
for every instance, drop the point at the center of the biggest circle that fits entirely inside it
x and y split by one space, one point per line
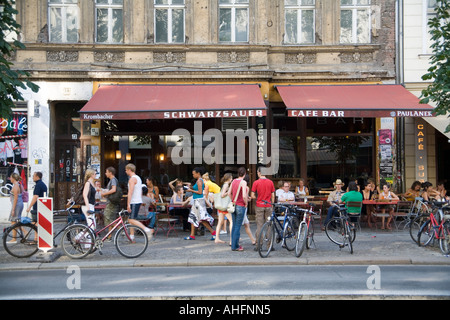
109 56
169 57
356 57
300 58
233 57
62 56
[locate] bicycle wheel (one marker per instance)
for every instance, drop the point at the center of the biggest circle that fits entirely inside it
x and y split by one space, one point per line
349 237
78 241
301 239
414 227
426 234
289 235
20 240
266 239
131 241
335 231
310 236
444 241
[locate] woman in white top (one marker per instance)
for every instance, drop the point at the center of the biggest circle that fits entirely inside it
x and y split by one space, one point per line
301 189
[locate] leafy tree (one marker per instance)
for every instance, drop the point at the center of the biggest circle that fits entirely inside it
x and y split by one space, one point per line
439 71
10 80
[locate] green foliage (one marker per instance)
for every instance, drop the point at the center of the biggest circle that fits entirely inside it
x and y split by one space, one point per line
10 80
439 71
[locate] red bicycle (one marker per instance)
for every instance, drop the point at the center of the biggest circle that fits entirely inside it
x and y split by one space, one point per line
436 227
79 240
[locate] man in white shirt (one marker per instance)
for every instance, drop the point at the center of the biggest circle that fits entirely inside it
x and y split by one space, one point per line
286 195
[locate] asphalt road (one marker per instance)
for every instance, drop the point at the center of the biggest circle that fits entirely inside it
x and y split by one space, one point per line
261 282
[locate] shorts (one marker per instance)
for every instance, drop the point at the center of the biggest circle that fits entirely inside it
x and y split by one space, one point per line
134 210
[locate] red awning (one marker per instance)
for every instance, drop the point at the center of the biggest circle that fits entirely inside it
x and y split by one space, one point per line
196 101
371 101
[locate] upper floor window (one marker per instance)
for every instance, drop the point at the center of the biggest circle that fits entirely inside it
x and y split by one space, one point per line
63 20
169 21
355 21
109 21
429 14
299 21
233 20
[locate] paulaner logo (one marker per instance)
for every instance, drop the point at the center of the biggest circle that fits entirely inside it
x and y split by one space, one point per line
189 149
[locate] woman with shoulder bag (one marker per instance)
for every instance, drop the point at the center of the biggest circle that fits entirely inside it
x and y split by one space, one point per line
224 194
239 194
89 191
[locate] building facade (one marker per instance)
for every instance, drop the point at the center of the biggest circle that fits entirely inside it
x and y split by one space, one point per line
84 53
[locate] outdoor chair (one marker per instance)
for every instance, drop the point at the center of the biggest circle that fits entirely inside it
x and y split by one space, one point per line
354 205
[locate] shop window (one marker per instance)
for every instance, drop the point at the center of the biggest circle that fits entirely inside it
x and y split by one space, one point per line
343 157
355 21
289 157
63 18
169 21
233 20
299 21
109 21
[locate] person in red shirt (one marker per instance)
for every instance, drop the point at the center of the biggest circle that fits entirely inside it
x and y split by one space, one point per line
239 192
262 190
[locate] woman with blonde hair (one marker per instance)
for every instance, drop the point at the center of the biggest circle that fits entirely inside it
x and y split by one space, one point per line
16 202
89 198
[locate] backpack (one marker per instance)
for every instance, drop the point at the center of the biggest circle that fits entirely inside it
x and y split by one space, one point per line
116 196
78 197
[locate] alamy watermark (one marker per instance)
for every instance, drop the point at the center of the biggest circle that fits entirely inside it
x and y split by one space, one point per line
374 280
191 149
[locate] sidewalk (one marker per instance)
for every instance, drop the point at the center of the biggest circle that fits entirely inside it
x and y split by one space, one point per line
370 248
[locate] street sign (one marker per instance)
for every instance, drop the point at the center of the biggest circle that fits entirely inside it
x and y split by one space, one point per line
45 224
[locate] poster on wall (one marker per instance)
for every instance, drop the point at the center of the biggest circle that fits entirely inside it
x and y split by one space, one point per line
386 150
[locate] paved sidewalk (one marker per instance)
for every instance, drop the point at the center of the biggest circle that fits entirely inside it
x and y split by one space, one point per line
370 247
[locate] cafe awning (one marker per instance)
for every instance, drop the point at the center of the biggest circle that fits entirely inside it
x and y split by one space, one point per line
372 101
190 101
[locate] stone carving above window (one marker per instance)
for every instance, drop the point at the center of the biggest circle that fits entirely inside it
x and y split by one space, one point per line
356 57
62 56
169 57
101 56
300 58
233 57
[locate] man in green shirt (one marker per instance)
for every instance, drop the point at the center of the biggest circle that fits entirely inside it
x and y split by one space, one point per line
353 195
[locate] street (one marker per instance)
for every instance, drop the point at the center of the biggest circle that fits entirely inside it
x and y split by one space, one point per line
260 282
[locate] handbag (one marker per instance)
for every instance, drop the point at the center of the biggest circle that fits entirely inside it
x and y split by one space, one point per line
232 206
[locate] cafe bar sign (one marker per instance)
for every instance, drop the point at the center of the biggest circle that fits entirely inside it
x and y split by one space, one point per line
362 113
421 161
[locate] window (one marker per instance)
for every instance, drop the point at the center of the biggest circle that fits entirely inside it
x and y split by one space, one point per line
355 21
169 21
233 20
430 14
109 18
299 21
63 20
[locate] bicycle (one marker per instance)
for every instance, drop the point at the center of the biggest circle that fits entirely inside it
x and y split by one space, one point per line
281 225
436 227
80 240
418 215
20 239
340 231
305 235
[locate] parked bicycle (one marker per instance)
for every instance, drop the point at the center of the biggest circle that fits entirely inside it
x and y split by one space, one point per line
340 231
436 227
20 239
420 211
305 234
280 227
80 240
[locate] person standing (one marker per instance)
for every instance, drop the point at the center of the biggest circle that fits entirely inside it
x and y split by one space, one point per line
40 189
134 199
224 193
16 203
239 196
263 189
89 198
112 207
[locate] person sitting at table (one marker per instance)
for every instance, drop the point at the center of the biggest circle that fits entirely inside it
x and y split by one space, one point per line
333 200
442 191
148 209
175 183
183 211
286 195
367 194
387 194
414 191
429 192
153 190
353 195
301 190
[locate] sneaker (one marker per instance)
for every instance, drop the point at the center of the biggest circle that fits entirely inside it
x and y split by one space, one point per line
12 242
189 238
223 232
149 234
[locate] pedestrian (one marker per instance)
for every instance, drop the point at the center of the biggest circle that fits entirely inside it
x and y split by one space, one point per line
112 204
40 189
263 189
333 200
199 214
134 199
16 203
239 196
88 207
224 193
246 222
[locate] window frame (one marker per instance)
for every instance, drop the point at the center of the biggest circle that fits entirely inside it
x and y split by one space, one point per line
233 6
64 6
300 8
170 7
354 7
110 6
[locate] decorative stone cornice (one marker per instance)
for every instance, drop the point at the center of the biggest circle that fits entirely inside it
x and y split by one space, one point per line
300 58
62 56
109 56
169 57
233 57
